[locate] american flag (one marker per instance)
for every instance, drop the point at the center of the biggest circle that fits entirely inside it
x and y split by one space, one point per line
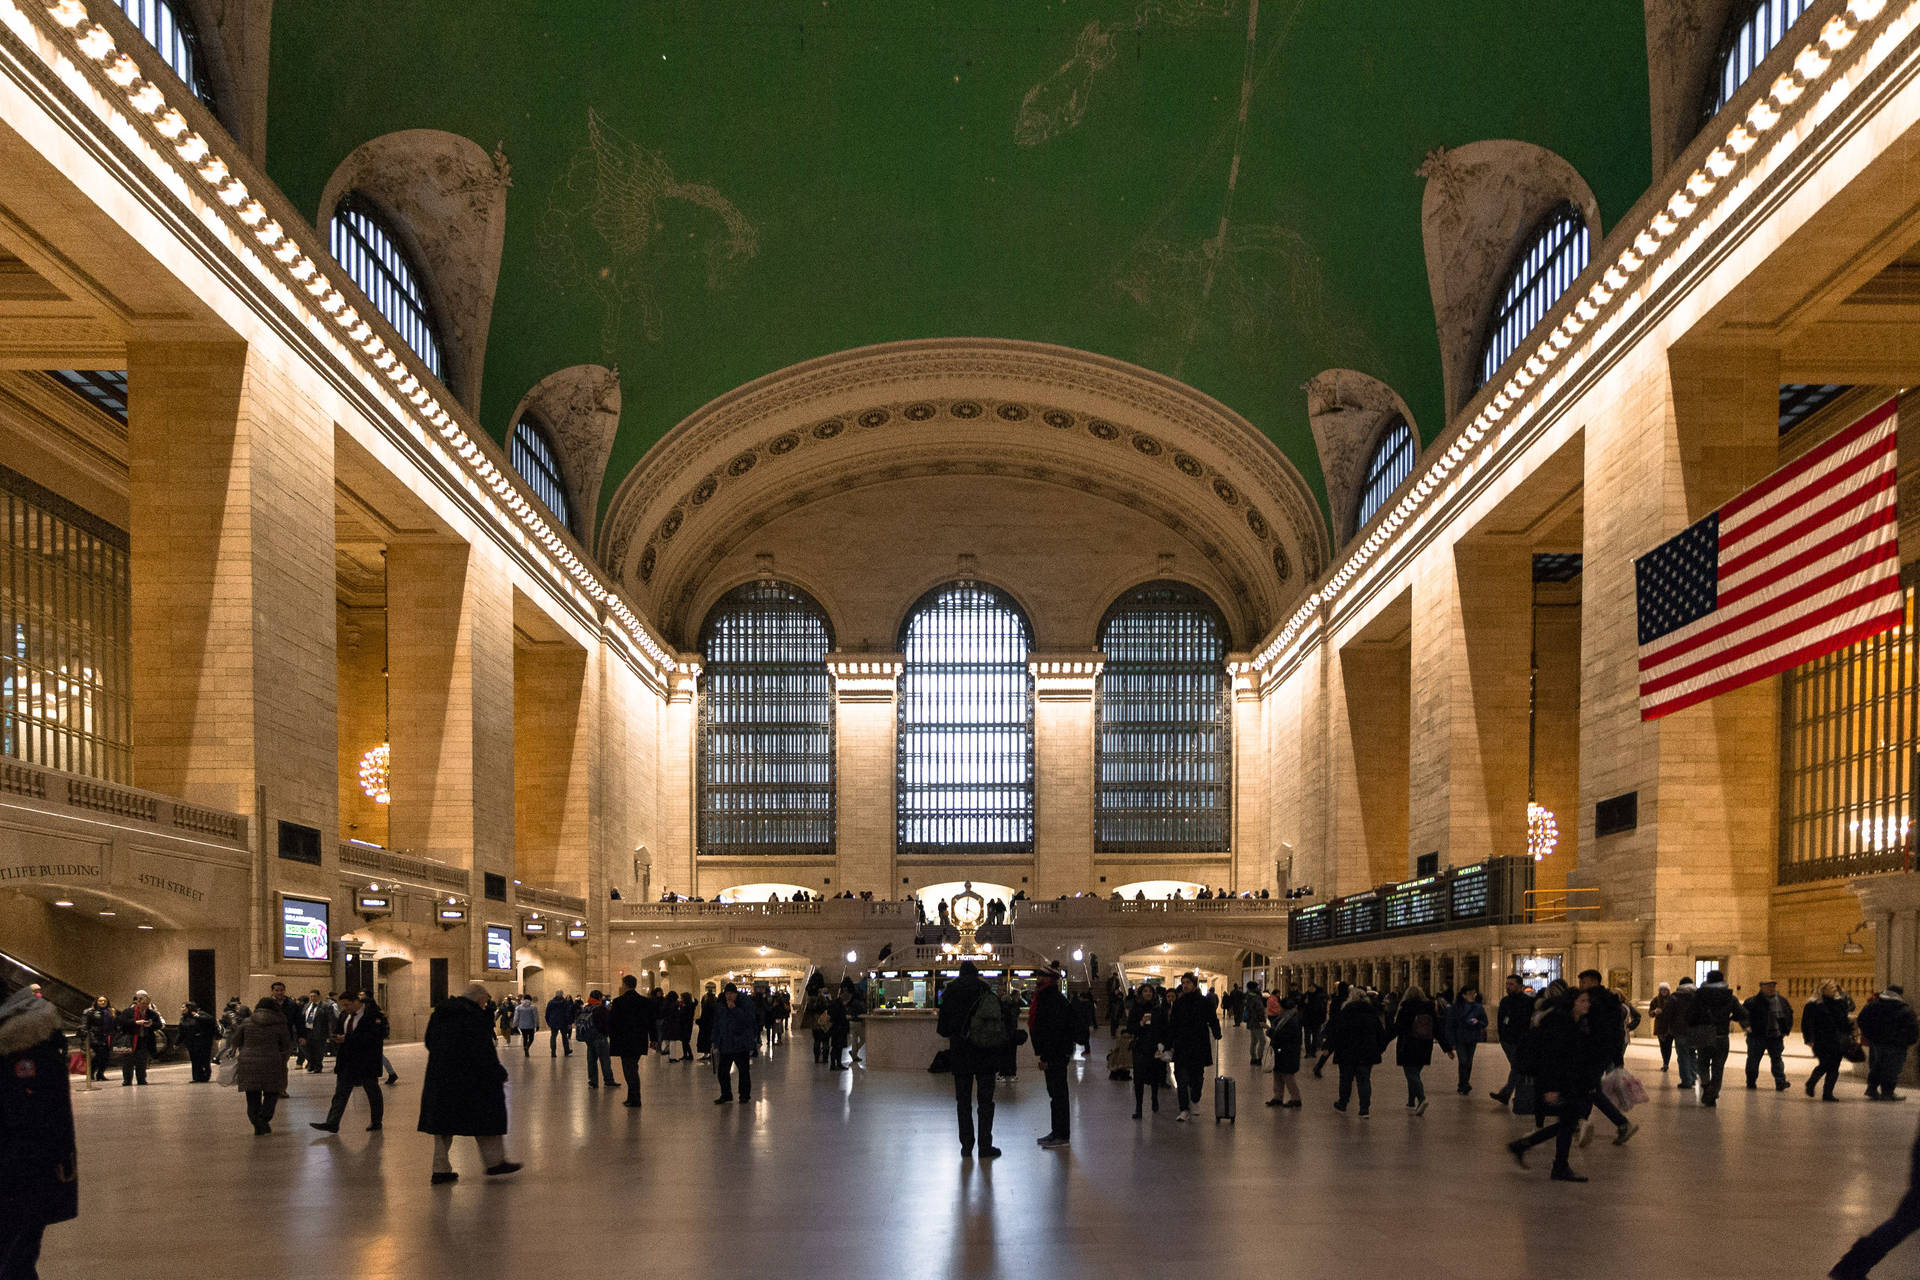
1804 563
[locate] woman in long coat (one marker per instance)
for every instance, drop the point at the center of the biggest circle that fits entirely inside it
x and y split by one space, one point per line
465 1089
1147 1029
39 1172
264 1042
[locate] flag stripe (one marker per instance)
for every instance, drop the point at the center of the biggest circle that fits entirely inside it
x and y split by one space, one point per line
1871 625
1801 564
1807 462
1850 592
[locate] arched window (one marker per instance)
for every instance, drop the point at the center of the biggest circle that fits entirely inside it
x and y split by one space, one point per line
1163 754
766 724
1550 261
170 32
362 242
1753 30
966 724
532 453
1387 470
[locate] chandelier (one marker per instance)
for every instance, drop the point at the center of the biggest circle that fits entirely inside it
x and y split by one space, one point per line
1543 832
374 772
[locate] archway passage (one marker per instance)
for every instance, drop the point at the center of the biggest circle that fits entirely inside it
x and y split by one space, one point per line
769 891
1159 890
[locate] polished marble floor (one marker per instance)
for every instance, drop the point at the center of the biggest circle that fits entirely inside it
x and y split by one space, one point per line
857 1174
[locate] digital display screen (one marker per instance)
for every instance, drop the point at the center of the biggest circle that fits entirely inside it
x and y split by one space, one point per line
499 947
576 932
303 929
534 926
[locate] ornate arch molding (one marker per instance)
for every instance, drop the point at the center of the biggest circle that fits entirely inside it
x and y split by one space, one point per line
448 199
966 406
1683 49
580 406
1481 202
1348 411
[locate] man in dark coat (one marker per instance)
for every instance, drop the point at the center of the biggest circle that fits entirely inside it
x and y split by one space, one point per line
196 1031
559 1017
630 1027
973 1065
1713 1007
1888 1026
356 1060
1355 1037
38 1175
318 1035
1052 1032
139 1024
465 1089
1566 1058
1769 1021
1192 1027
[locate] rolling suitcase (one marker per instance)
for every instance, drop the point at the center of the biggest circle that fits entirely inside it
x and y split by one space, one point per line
1226 1100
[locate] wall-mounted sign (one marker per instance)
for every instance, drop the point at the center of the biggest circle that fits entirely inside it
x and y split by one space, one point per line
304 934
452 915
369 902
499 947
576 932
533 926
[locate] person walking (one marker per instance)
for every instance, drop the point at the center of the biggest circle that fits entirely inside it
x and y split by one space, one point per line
263 1041
1868 1251
1356 1037
1147 1025
1513 1019
97 1026
1052 1032
357 1061
703 1043
1192 1027
195 1033
139 1025
1709 1014
630 1025
1416 1027
1566 1066
1253 1012
1465 1029
39 1164
1288 1035
1675 1011
1662 1021
592 1031
559 1017
1888 1026
464 1090
1769 1023
856 1001
526 1021
736 1041
1827 1027
974 1024
319 1017
837 1023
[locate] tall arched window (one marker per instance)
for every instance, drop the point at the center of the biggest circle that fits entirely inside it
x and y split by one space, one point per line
966 724
169 31
1548 263
362 242
1387 470
1754 29
1164 751
531 451
766 724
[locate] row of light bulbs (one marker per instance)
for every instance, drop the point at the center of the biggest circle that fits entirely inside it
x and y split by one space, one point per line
1809 66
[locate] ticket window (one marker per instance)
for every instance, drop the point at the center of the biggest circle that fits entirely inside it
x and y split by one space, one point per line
1537 971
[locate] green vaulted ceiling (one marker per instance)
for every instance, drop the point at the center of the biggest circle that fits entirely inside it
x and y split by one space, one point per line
705 191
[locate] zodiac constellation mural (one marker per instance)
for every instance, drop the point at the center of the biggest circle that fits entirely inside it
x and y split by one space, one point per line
606 223
1058 103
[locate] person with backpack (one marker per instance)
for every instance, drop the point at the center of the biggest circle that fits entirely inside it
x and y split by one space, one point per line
1051 1026
1714 1006
1416 1026
976 1031
1888 1026
591 1030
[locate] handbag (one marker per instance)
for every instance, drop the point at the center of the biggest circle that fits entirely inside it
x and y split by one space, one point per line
122 1047
229 1069
1854 1051
1524 1103
1622 1089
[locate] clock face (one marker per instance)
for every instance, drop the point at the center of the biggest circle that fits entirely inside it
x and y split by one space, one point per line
967 909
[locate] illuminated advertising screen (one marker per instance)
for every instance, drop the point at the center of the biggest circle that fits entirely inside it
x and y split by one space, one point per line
303 929
499 947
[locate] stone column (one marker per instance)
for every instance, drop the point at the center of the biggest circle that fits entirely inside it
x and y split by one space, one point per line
1253 843
234 692
1468 740
866 730
674 863
552 764
1063 686
450 657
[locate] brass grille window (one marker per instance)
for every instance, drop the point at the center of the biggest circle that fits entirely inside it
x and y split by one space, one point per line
531 451
1849 733
966 724
65 615
766 724
1164 752
362 242
1554 256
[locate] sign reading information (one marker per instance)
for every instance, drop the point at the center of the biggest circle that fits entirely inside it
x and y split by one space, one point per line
303 929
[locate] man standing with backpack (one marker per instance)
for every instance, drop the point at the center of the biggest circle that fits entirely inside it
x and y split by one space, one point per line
976 1030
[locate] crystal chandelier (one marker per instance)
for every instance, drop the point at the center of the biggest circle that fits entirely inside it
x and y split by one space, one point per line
1543 831
374 767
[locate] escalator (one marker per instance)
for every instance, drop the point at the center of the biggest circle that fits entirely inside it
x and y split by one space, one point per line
70 1000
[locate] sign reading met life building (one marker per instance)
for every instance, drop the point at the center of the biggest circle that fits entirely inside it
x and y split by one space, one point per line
303 929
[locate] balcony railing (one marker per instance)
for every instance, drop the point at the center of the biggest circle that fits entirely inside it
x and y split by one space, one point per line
390 864
148 808
528 895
